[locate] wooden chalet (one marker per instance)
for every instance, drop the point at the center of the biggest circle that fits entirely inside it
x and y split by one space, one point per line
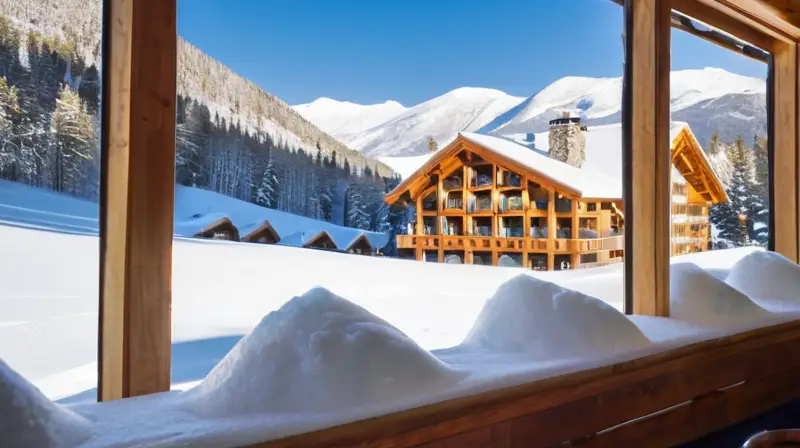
317 240
262 233
660 400
492 201
212 227
360 246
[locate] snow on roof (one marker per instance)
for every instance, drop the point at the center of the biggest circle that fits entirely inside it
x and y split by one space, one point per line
603 158
587 181
191 201
198 224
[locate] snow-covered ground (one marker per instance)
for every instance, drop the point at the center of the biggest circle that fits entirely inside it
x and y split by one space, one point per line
383 335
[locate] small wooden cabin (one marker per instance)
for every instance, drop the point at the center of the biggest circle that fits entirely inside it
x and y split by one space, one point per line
262 233
221 229
493 201
360 246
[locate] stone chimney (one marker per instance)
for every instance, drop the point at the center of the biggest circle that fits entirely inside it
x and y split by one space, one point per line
566 140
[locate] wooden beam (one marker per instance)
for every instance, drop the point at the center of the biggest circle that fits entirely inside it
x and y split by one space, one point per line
647 165
137 197
783 140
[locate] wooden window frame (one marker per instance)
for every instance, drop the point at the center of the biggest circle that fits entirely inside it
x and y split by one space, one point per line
646 146
136 219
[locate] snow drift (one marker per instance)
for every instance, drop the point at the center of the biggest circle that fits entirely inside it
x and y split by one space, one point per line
29 419
319 353
549 322
766 275
699 297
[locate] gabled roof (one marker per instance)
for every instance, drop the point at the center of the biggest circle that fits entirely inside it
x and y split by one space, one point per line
200 224
245 215
600 176
305 239
250 231
362 237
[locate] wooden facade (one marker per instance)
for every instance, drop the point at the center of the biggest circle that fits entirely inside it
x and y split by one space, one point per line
221 229
659 400
263 234
360 246
474 206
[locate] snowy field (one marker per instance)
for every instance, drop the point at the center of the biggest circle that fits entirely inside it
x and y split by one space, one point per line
383 335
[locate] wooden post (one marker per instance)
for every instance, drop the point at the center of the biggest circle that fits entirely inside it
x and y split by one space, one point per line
646 160
783 121
137 190
551 229
574 257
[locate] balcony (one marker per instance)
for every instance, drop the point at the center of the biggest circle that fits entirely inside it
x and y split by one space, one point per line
487 243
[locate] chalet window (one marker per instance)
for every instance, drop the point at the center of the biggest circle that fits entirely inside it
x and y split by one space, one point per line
591 206
605 206
453 182
563 205
481 176
454 200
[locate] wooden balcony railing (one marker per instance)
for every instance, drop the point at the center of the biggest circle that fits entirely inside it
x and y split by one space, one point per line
483 243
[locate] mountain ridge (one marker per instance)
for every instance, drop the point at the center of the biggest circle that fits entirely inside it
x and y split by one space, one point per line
228 94
709 99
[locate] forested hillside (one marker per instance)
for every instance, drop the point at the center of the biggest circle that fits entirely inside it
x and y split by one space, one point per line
233 137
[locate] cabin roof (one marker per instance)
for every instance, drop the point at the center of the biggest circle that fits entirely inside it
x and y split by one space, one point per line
245 215
362 237
600 177
249 231
201 224
305 239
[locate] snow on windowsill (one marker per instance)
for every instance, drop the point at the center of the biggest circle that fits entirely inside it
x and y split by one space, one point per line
321 360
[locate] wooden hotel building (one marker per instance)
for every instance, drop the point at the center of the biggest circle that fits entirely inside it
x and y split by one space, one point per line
494 200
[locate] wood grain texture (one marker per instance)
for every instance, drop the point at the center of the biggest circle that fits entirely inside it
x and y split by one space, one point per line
593 401
785 146
137 197
721 16
648 201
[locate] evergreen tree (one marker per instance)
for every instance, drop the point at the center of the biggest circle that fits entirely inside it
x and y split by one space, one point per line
714 146
73 141
267 193
9 113
432 145
761 155
738 220
355 212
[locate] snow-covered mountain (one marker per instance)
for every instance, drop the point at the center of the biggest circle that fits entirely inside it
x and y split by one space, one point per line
464 109
343 119
707 99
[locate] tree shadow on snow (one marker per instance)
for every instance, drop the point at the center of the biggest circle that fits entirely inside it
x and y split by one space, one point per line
191 361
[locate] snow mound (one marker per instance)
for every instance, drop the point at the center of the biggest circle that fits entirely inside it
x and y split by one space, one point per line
29 419
766 275
319 353
698 297
549 322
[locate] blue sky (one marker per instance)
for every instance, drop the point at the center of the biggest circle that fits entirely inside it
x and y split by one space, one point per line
370 51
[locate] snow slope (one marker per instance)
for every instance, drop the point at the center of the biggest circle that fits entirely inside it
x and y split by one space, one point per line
195 209
465 109
343 119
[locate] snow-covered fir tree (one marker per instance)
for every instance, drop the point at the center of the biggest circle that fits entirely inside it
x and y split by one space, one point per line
355 213
9 113
267 193
738 220
73 142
